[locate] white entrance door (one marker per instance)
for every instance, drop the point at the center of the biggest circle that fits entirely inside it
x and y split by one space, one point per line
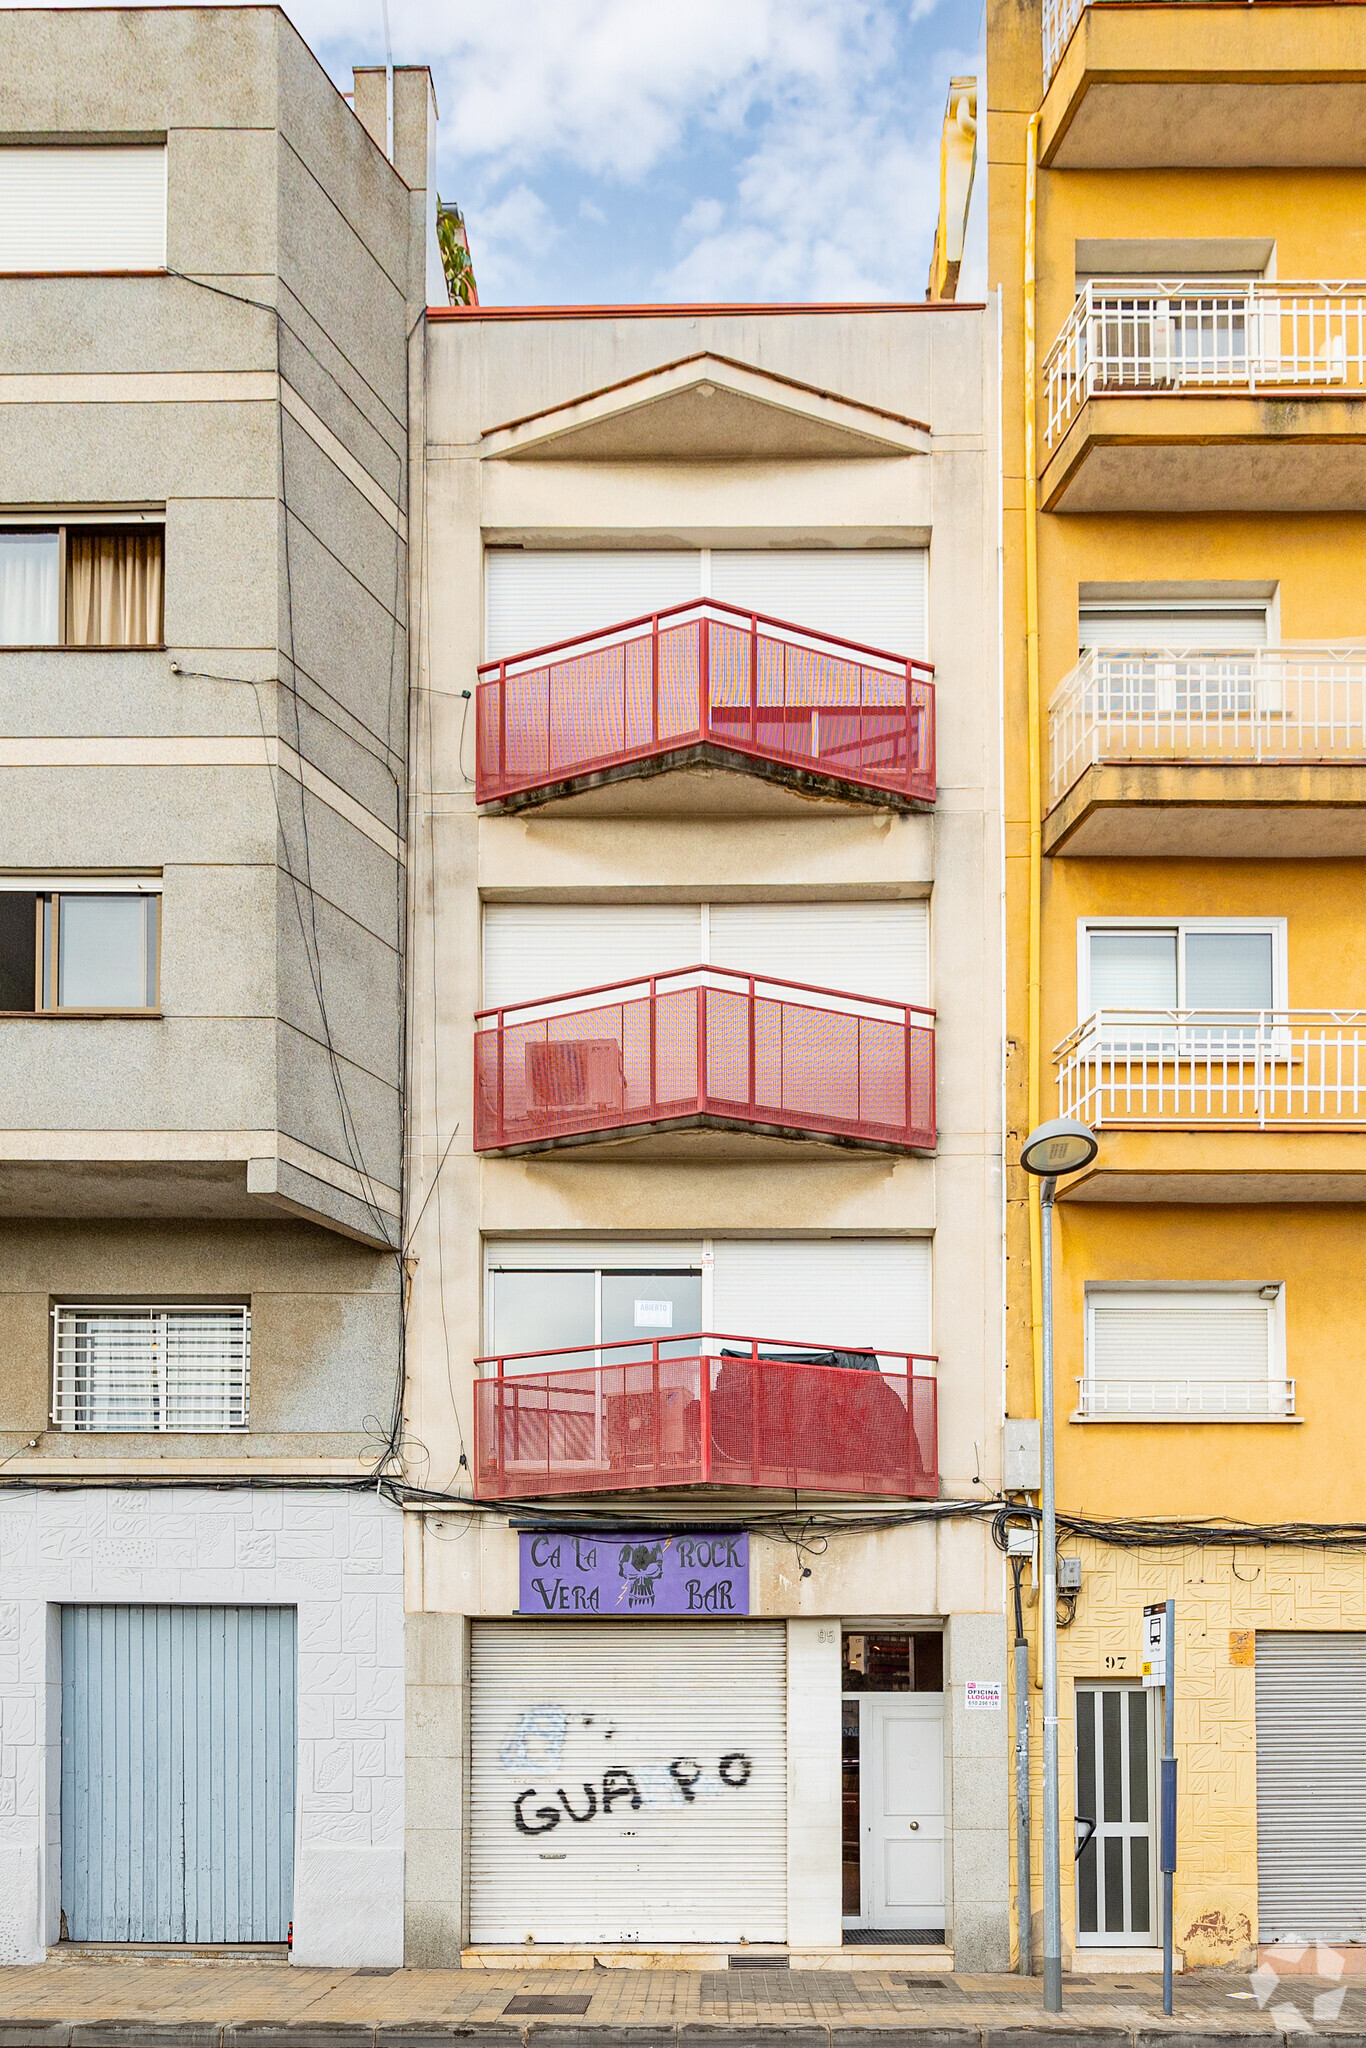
901 1777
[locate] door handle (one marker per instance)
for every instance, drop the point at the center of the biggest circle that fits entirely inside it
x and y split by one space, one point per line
914 1825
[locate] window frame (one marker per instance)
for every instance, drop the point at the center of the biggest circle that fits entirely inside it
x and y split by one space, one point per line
134 520
676 1262
48 891
1275 927
163 1310
1162 1293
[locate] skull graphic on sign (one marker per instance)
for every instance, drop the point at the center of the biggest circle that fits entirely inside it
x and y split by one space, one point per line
642 1564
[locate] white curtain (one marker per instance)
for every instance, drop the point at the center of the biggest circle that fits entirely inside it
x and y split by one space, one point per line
28 589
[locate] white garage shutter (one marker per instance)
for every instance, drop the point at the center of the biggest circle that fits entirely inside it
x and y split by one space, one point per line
849 1294
1311 1786
535 596
869 949
535 950
556 1707
83 209
1138 626
873 595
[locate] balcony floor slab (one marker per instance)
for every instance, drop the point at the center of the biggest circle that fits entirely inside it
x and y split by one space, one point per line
1206 87
1229 1167
699 779
699 1140
1171 810
1288 451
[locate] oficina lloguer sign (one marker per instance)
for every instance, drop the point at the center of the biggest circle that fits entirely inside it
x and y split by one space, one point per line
633 1577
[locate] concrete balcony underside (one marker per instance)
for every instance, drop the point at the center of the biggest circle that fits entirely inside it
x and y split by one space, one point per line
256 1187
1228 1167
1142 451
1222 811
706 777
1207 87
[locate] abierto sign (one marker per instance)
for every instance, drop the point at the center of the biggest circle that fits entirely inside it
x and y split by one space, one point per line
631 1577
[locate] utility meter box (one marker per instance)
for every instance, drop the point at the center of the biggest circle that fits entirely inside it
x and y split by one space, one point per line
1022 1456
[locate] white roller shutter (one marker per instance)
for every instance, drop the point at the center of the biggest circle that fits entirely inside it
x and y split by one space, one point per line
83 209
873 595
868 949
554 1707
533 950
1137 626
849 1294
537 950
1311 1786
535 596
587 1254
1201 1337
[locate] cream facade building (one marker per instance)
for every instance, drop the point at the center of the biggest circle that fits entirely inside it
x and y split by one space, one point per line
706 1643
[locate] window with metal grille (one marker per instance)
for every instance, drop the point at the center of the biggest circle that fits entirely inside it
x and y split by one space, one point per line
181 1370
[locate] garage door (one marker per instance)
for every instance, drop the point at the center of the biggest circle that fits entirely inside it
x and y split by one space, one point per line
628 1782
178 1744
1311 1786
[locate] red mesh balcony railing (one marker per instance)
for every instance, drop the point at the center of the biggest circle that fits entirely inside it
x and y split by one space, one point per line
706 675
704 1045
705 1411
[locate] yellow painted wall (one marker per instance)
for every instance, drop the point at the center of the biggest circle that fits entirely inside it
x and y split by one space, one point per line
1217 1591
1256 1471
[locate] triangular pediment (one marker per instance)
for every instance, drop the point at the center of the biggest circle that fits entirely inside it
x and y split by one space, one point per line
706 408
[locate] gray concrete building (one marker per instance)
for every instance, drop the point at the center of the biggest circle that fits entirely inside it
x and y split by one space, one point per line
209 277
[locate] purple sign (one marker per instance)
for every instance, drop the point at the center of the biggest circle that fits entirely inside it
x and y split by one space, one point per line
633 1577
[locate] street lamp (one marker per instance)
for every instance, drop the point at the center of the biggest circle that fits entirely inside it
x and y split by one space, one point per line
1060 1146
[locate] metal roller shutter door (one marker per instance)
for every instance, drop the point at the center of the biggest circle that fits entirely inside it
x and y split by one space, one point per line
1311 1786
864 949
178 1746
554 1707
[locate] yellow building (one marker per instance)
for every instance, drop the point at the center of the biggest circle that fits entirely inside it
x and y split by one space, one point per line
1173 191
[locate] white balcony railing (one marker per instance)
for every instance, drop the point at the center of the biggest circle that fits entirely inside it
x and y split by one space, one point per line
1297 703
1249 1069
1127 335
1158 1399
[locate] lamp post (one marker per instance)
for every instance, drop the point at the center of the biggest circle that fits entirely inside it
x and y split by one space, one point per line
1060 1146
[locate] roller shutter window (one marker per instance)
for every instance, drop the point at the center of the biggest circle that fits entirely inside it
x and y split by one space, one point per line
1183 1353
1199 625
534 951
1311 1786
575 1728
534 597
865 949
876 596
1131 684
96 209
849 1294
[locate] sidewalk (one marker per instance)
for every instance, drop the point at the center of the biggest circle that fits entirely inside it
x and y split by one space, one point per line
237 2004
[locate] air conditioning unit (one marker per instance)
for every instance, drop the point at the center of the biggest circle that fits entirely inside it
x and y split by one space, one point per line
575 1074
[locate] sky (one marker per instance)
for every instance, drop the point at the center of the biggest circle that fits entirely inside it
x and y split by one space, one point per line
617 151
